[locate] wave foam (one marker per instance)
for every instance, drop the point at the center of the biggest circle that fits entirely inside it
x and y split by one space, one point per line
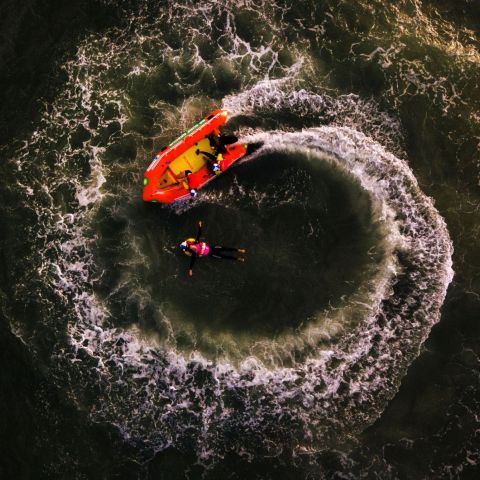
334 392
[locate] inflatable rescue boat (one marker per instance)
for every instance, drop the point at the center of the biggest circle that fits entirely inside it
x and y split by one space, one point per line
184 165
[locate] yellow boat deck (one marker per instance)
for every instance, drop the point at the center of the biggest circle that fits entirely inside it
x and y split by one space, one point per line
188 160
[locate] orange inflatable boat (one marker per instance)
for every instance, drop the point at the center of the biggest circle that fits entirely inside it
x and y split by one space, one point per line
184 165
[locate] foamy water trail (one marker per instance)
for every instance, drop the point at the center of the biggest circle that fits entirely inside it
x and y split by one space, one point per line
336 390
161 396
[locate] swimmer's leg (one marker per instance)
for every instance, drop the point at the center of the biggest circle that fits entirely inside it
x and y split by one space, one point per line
229 249
219 252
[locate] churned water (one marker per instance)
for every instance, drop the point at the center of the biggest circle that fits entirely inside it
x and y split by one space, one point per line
345 346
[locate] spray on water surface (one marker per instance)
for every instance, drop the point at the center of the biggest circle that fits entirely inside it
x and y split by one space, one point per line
300 349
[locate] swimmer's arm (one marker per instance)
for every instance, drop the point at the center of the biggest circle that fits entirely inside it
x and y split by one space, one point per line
199 233
190 268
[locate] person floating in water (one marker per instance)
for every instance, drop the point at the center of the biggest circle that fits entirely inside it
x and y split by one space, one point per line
218 144
196 248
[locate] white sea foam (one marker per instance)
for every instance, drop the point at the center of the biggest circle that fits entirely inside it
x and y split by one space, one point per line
158 394
334 390
338 389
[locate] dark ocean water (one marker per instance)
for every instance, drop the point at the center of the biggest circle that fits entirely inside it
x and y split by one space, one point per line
346 346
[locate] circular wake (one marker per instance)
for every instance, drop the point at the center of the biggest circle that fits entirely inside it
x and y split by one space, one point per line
334 390
129 355
316 250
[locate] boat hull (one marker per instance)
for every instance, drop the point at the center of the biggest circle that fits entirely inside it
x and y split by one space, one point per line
165 180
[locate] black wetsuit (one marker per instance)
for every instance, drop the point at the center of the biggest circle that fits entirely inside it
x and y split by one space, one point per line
211 157
211 160
219 252
216 251
218 142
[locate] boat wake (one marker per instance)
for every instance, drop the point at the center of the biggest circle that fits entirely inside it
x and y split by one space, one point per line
311 387
353 358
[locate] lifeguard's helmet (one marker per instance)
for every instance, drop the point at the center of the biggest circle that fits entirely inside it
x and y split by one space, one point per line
184 245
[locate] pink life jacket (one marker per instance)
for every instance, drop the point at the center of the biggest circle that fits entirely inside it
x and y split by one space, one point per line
201 249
